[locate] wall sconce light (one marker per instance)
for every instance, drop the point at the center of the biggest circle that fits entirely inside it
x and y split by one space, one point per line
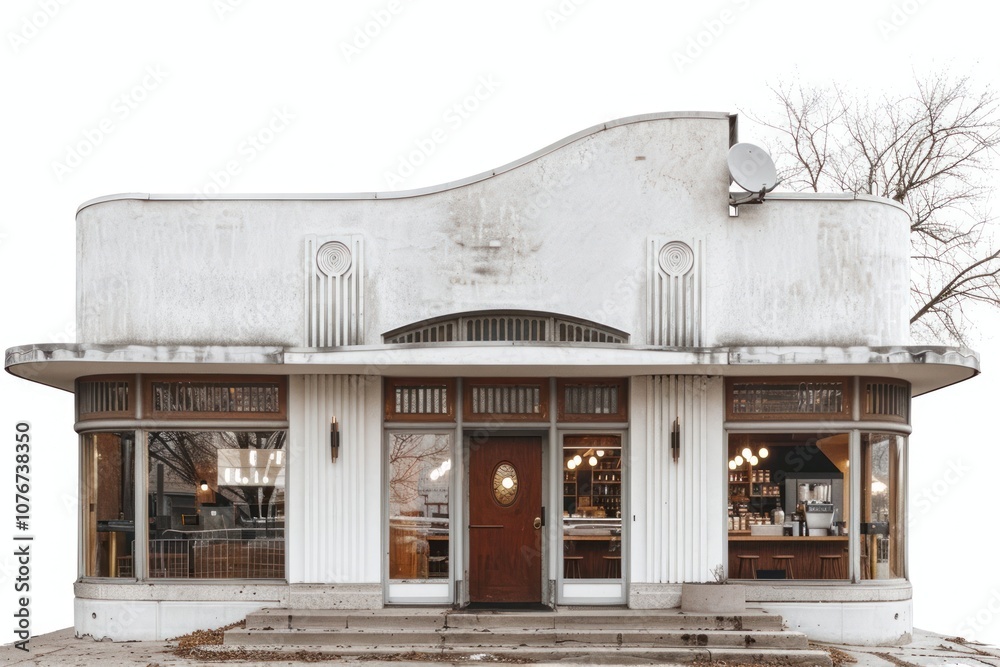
675 439
203 485
334 439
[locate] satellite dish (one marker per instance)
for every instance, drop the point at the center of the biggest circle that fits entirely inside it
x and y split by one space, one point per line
753 170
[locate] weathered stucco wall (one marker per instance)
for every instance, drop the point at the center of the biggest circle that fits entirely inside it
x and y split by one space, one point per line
568 232
812 273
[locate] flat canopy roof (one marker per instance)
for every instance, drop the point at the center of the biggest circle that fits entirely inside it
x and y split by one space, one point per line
926 367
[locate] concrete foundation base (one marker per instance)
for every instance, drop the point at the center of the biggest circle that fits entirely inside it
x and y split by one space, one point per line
146 612
148 621
854 623
654 596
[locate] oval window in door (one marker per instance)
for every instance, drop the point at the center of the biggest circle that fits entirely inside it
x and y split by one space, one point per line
505 484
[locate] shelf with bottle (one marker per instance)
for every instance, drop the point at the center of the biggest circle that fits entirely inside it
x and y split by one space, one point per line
765 491
747 481
610 503
606 490
595 481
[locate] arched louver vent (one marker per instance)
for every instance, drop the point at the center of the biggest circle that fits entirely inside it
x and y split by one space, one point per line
506 326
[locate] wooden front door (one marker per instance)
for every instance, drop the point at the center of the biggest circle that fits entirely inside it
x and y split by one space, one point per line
505 509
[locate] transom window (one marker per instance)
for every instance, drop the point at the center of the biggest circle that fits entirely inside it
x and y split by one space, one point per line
506 400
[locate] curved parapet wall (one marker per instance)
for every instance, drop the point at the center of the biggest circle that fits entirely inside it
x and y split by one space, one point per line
814 270
626 224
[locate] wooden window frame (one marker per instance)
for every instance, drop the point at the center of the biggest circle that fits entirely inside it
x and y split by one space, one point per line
845 412
389 396
472 417
279 380
619 417
116 414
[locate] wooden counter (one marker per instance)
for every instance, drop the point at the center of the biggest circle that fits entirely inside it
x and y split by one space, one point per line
806 550
787 538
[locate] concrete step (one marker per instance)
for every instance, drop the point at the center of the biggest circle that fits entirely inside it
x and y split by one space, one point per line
590 655
511 637
392 619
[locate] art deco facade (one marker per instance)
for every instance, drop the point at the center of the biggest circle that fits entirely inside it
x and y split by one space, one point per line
577 379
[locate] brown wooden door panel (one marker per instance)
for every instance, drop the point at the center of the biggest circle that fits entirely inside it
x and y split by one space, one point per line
505 558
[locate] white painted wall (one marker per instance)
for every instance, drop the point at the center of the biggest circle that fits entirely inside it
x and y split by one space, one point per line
566 232
678 533
334 508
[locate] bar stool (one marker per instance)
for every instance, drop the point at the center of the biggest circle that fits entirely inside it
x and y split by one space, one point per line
571 567
437 566
747 560
829 567
613 567
787 564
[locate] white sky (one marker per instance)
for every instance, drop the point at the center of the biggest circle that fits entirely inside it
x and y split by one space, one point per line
169 93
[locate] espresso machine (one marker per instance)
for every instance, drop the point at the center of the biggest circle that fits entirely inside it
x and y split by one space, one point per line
819 517
812 503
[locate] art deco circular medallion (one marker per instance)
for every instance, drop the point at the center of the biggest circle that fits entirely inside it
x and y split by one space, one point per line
333 258
676 258
505 484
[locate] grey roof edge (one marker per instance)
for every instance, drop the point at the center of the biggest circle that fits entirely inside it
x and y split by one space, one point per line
418 192
274 354
57 352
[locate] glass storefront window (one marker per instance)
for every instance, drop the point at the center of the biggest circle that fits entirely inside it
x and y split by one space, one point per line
216 504
789 498
592 507
109 504
419 509
882 506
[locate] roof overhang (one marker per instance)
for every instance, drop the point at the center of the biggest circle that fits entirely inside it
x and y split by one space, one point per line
926 367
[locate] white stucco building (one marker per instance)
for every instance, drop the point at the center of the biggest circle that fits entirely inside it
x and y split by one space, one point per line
576 379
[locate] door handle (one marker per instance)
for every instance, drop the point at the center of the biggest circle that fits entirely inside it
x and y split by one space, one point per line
538 522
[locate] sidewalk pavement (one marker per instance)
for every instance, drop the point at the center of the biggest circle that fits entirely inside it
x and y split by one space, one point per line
63 648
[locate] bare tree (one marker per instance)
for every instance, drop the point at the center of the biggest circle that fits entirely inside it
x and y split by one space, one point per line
188 456
932 152
411 456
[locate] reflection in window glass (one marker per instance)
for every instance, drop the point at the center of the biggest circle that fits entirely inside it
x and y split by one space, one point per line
592 506
109 502
882 506
419 481
217 504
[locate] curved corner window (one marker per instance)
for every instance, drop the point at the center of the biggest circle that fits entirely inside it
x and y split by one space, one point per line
216 503
108 496
883 520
